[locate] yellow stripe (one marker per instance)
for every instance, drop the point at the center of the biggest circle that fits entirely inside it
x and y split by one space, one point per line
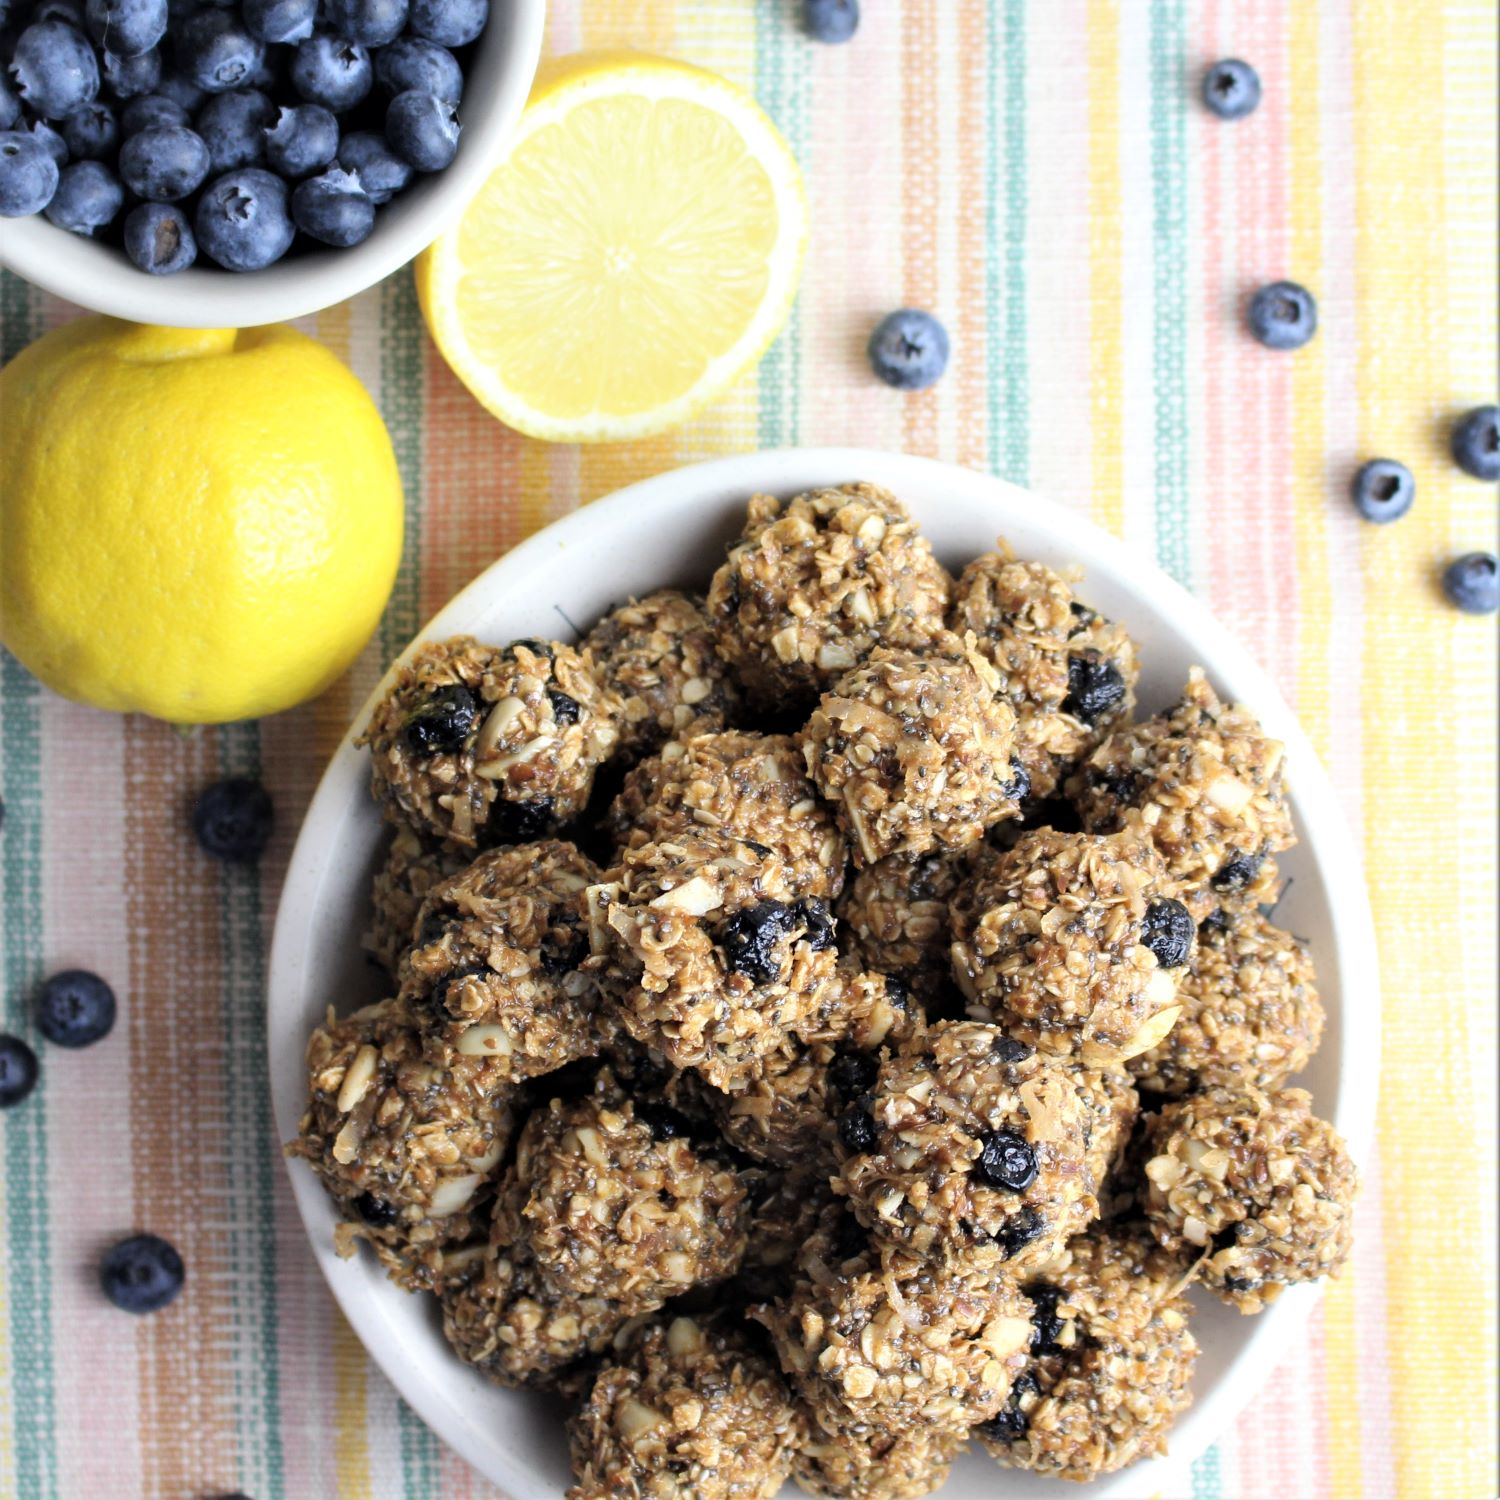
1106 248
351 1441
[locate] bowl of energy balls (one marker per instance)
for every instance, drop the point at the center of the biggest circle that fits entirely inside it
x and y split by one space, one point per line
824 969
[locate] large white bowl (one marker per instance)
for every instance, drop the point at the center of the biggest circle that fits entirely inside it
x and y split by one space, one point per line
671 529
99 277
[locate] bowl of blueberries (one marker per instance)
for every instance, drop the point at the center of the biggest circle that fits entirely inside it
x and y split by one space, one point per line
209 164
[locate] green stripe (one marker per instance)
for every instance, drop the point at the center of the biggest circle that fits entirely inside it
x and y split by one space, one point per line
1208 1479
1015 449
1169 276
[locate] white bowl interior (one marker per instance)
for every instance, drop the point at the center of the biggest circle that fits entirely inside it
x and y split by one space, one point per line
99 276
671 530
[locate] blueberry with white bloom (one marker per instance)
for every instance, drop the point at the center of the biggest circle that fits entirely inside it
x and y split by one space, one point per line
128 77
70 11
333 208
92 133
830 20
331 71
280 20
181 90
164 164
371 23
449 23
380 171
150 110
411 62
88 197
1475 443
159 239
216 52
1231 89
51 142
28 175
909 349
10 101
55 68
233 127
242 220
125 27
304 139
1472 583
1283 315
422 130
1384 490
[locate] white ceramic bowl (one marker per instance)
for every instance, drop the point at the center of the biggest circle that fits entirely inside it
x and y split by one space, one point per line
100 277
671 529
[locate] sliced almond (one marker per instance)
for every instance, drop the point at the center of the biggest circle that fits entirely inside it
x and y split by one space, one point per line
500 720
696 897
357 1080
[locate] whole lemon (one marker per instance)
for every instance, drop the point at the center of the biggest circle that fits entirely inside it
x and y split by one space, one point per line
198 524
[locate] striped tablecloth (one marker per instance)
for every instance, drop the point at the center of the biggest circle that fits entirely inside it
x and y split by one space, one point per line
1042 177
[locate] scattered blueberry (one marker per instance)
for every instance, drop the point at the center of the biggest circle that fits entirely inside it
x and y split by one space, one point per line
830 20
909 349
1095 687
380 171
55 68
333 208
10 101
1472 582
857 1130
19 1070
215 51
148 111
233 127
91 133
280 20
422 130
129 77
1006 1161
28 175
411 62
126 28
1384 490
329 71
242 220
1476 442
1168 932
75 1009
1283 315
141 1274
376 1212
304 138
449 23
371 23
164 164
442 724
159 239
88 197
232 820
1231 89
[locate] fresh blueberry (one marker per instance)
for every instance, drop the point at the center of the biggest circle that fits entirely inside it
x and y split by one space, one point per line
233 127
441 725
92 134
329 71
18 1070
410 62
280 20
449 23
304 138
125 27
272 76
422 130
1283 315
1095 687
10 100
909 349
141 1274
830 20
75 1009
1168 931
164 164
181 90
70 11
857 1130
88 197
129 77
216 52
380 171
233 818
1384 490
333 208
55 68
1231 89
159 239
1472 582
1476 443
51 142
1006 1161
148 112
28 175
371 23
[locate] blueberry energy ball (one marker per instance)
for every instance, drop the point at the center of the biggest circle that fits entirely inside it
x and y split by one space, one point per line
814 584
479 745
410 869
871 1461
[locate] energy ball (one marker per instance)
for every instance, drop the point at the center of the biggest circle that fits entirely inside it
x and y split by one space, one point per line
1257 1184
916 752
499 966
884 1337
479 745
712 955
1067 941
754 786
407 1151
969 1139
1068 672
611 1200
689 1407
656 657
1111 1359
1206 784
411 868
1113 1106
785 1207
865 1461
814 584
1251 1015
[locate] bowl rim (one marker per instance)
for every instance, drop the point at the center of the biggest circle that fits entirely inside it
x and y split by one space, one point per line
100 278
790 470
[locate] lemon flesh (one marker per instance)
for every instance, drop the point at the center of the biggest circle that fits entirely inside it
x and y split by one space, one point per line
635 254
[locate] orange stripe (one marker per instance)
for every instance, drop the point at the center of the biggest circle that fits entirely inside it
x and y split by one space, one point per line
919 196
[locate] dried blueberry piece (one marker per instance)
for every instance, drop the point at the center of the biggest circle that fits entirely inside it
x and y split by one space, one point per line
376 1212
751 938
1122 784
442 724
1019 785
564 709
897 992
1095 687
434 925
664 1122
853 1073
764 850
1238 1283
1009 1050
518 822
1008 1425
560 956
1168 932
1020 1230
850 1237
1237 871
1006 1161
857 1130
1045 1323
814 916
1083 614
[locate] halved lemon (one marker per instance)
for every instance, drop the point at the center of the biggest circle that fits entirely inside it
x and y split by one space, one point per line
633 256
